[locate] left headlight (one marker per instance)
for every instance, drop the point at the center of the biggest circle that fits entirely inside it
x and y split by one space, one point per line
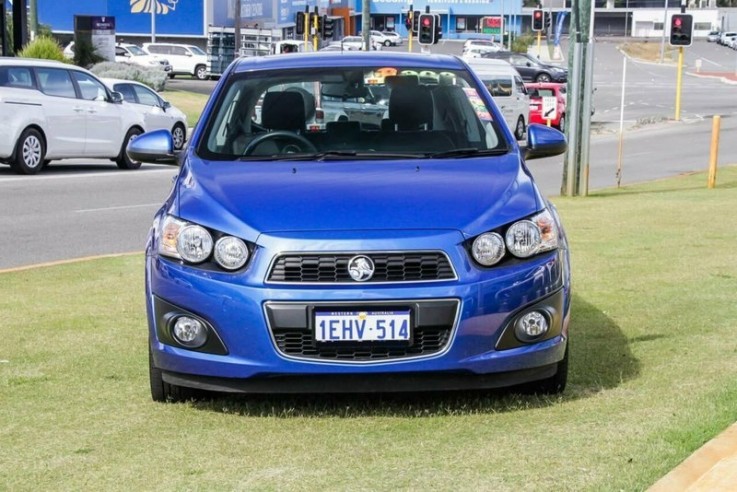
195 244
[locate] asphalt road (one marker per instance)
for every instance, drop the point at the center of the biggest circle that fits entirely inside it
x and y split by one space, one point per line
81 208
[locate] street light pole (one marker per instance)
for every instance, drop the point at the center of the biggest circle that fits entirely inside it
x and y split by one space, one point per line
153 22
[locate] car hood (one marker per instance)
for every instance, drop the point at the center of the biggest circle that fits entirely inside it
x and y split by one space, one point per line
471 195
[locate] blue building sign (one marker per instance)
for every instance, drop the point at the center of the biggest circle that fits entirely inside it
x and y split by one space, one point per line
173 17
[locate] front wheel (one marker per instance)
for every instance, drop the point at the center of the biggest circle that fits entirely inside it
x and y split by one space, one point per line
543 77
29 152
519 131
200 72
178 136
162 391
387 43
562 123
123 161
553 385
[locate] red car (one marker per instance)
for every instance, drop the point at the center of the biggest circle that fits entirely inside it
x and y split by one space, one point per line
539 90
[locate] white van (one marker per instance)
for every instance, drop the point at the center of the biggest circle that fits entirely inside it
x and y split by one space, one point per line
508 90
185 59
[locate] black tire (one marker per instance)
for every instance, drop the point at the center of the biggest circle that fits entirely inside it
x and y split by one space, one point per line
387 43
543 77
520 129
47 162
162 391
178 136
553 385
562 123
200 71
123 161
30 151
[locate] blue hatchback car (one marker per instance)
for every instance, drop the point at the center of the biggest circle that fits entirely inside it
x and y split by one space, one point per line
354 223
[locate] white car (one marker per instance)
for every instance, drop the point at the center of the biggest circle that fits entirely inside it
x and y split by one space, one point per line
383 39
395 38
481 44
185 59
52 110
355 43
130 53
157 113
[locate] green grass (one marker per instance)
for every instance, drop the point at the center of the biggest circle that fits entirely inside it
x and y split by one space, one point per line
190 103
653 364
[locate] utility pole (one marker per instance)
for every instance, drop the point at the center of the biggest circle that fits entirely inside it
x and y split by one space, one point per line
366 24
580 93
33 18
237 30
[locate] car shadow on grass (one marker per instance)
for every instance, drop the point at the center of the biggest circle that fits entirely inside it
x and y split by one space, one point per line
600 359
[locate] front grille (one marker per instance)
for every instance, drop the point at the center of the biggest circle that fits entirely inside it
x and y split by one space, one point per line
389 267
292 325
302 344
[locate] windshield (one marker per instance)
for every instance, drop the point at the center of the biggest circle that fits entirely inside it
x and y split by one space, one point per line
369 112
136 51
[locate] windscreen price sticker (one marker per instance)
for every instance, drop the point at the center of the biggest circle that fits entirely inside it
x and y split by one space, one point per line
550 107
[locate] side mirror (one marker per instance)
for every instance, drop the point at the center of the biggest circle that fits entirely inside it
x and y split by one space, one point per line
544 142
189 54
116 97
156 147
529 64
165 105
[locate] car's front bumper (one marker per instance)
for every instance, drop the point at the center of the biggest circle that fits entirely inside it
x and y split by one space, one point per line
237 306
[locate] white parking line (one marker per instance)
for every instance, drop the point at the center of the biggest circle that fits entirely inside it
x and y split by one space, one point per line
122 207
79 176
712 62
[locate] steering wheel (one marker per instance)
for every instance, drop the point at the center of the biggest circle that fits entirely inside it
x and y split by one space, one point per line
301 142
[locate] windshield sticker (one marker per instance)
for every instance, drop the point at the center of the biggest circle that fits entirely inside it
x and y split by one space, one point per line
478 104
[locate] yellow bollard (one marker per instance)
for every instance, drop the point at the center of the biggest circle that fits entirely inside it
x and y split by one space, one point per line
548 123
712 180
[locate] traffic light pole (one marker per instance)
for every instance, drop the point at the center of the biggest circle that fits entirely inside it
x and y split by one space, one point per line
411 20
679 81
539 41
314 37
307 26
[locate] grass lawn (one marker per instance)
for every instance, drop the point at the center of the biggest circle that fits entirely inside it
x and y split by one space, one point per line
653 366
650 51
190 103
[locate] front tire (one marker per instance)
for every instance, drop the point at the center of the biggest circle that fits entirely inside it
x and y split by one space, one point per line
30 152
162 391
200 72
543 77
553 385
387 43
123 161
178 136
562 123
519 130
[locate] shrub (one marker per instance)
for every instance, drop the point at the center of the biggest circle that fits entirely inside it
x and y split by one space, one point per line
521 43
85 53
153 77
43 47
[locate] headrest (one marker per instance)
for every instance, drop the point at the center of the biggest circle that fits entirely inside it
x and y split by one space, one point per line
410 107
397 80
283 111
349 131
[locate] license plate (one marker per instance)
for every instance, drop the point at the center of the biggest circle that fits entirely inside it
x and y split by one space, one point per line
362 326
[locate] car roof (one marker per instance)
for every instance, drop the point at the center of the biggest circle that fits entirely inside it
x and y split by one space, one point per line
347 59
111 82
35 62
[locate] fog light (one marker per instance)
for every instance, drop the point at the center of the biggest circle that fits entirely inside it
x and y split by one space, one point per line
531 325
189 332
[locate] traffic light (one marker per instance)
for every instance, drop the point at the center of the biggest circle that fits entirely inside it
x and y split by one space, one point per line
427 29
300 24
327 27
548 22
415 22
438 29
538 19
681 29
320 24
408 20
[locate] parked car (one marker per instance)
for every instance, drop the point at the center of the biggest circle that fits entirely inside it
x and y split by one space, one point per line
530 68
418 257
383 39
537 91
395 37
713 36
130 53
505 85
355 43
726 37
475 52
52 110
481 45
185 59
157 113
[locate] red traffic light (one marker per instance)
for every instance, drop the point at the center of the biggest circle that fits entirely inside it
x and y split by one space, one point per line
426 22
538 14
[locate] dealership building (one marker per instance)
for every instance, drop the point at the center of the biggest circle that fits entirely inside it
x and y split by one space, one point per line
193 19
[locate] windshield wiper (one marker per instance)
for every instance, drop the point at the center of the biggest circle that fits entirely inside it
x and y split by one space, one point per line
467 152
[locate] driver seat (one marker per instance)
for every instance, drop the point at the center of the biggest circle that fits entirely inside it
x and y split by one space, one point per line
281 111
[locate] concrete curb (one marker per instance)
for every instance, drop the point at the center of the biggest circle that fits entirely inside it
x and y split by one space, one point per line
66 262
645 62
721 78
712 468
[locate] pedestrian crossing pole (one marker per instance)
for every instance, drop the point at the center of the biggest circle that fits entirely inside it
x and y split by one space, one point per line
679 82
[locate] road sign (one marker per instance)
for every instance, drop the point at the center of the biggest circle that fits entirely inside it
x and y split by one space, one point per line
550 107
492 24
